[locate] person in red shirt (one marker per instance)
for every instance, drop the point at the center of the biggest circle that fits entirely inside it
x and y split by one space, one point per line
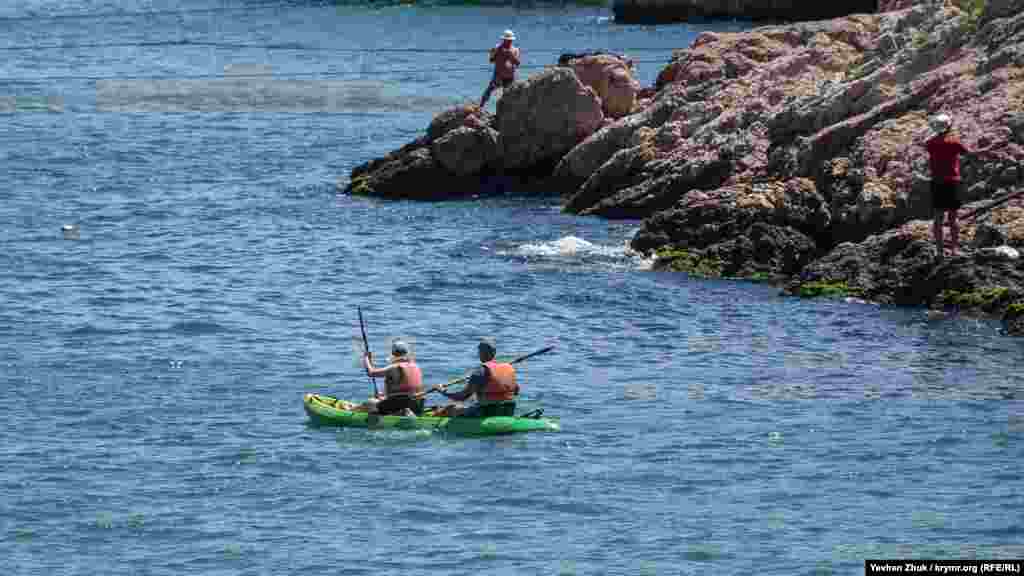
506 59
944 151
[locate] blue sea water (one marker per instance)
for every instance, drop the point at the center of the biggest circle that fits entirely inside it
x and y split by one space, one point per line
152 363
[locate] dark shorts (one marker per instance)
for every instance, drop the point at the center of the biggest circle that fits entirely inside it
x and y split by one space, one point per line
502 82
398 404
945 195
488 410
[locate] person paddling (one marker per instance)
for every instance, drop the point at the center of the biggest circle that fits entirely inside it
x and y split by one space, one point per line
403 383
944 151
492 383
506 59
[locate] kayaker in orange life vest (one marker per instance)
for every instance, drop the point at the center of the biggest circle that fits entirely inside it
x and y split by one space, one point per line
493 383
506 59
403 383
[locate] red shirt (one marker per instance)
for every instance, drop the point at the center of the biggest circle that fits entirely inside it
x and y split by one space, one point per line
944 158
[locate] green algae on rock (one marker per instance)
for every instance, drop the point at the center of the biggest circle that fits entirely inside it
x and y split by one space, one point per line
986 299
691 262
823 289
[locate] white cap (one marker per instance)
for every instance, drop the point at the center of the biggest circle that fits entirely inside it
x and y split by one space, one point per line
508 35
941 123
399 348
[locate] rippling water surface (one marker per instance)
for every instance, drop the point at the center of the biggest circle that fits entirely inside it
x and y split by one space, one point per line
152 368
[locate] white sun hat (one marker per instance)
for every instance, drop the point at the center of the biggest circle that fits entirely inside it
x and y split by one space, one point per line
941 123
508 35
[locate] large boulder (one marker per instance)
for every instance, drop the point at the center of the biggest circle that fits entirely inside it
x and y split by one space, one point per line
588 156
611 77
467 115
543 117
647 186
413 174
448 161
623 170
465 151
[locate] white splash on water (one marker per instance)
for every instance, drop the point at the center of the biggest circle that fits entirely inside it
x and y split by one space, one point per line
567 246
574 247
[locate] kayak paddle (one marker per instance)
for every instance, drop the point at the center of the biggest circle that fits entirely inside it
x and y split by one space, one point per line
366 348
514 361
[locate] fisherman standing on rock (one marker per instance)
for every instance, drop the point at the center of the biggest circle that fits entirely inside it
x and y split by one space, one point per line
944 151
506 59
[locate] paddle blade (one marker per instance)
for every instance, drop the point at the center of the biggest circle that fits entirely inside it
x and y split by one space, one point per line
357 352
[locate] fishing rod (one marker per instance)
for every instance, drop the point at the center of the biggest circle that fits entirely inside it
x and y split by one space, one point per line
978 211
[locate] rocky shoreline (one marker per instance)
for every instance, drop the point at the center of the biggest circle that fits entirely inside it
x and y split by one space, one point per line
650 11
791 153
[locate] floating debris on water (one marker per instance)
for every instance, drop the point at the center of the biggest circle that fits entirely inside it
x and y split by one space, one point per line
105 521
70 231
640 392
233 551
696 392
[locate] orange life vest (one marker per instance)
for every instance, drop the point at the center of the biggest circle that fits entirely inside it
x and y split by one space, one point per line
501 383
412 379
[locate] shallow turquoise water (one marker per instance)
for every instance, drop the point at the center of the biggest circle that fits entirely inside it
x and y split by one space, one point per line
152 369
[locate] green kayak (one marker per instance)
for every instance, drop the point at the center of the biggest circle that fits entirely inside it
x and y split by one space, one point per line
325 410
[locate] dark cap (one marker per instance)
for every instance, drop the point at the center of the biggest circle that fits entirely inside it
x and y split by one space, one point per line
487 344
